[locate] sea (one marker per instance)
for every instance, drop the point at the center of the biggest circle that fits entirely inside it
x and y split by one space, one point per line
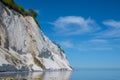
81 74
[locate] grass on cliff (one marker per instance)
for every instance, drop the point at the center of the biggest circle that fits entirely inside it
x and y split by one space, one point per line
13 5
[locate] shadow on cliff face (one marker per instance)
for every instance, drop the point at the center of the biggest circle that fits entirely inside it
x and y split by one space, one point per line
60 75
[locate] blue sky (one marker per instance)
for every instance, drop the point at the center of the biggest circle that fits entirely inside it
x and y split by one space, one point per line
87 30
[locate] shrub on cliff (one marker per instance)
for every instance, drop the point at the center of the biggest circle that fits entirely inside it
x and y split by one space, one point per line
31 12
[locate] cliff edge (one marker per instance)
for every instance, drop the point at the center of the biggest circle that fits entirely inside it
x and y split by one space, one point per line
24 47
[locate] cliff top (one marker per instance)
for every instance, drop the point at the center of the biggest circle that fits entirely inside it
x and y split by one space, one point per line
11 4
18 8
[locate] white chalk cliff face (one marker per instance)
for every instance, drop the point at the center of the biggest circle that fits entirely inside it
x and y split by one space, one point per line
23 46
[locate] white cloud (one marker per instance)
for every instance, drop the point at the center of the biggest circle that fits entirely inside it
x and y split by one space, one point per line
77 25
74 25
95 45
102 48
92 47
98 41
112 23
67 44
113 30
101 39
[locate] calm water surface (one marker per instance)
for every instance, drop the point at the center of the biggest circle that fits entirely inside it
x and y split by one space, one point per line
64 75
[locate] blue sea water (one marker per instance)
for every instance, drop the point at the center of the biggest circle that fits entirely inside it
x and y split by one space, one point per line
82 74
96 74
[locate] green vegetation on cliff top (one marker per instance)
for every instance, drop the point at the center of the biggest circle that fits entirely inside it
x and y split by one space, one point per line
11 4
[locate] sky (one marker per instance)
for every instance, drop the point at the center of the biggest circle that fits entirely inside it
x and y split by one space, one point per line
87 30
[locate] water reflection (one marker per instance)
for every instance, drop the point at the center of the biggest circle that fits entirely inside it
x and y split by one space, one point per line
62 75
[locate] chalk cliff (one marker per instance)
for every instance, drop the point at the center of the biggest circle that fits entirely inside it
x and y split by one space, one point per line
24 47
